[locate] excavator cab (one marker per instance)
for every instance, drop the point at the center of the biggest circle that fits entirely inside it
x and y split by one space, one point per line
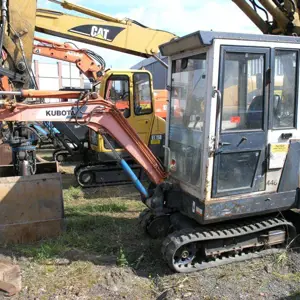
232 145
131 91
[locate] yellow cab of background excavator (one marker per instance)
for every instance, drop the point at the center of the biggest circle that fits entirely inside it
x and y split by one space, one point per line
150 128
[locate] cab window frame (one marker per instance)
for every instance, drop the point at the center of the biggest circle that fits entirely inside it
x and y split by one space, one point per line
271 124
242 50
148 112
112 77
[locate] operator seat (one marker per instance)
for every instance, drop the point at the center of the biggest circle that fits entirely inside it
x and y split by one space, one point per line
254 115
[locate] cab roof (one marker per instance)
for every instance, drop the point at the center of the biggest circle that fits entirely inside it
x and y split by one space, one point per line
202 38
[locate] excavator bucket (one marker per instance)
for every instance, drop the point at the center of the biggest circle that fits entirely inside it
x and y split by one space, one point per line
31 207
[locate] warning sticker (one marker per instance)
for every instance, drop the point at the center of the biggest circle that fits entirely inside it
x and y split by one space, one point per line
156 139
155 142
279 148
199 211
235 119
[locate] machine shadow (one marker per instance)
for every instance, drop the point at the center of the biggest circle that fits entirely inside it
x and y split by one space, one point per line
102 240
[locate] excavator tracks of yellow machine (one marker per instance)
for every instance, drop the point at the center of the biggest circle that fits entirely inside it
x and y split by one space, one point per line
104 174
190 250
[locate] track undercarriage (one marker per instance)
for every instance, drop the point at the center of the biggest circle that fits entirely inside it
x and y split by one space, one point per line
189 246
97 174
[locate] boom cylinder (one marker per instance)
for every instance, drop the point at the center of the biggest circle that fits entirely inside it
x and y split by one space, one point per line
42 94
276 13
252 15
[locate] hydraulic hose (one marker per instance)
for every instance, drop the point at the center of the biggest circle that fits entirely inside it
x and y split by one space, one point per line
137 183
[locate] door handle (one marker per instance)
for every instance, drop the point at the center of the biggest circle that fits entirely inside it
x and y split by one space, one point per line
217 93
224 144
243 139
167 159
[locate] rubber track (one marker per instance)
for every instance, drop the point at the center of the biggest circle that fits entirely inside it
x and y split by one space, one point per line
221 231
95 167
89 164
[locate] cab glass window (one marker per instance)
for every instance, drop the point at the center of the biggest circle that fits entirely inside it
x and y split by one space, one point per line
285 83
117 91
93 137
142 94
243 92
188 94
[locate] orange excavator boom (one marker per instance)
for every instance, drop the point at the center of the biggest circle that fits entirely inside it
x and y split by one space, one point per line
70 53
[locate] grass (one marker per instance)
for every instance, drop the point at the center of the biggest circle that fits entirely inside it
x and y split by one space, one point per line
96 208
103 226
295 295
103 223
73 193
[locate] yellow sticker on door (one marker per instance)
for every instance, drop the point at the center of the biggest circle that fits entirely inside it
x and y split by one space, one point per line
155 142
156 139
279 148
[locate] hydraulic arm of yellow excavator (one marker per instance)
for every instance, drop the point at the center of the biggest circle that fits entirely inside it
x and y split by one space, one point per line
17 31
125 35
281 16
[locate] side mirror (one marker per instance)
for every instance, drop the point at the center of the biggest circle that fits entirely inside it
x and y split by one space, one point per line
126 113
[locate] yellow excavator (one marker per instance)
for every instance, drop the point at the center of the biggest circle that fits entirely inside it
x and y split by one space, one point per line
130 89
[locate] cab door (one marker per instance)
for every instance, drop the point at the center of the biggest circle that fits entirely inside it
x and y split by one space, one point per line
142 106
240 157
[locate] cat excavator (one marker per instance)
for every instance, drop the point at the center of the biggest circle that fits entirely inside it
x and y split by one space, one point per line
231 171
130 90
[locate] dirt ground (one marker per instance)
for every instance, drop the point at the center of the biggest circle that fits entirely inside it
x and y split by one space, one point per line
104 254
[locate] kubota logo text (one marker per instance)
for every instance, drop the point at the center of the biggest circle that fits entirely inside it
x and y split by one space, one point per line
63 113
60 113
73 53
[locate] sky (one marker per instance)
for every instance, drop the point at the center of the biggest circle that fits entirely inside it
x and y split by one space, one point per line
180 17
